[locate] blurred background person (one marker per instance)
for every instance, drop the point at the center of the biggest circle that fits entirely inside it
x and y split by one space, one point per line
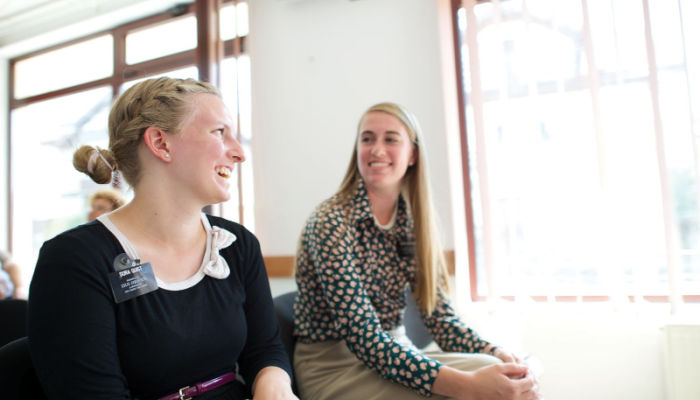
10 278
103 201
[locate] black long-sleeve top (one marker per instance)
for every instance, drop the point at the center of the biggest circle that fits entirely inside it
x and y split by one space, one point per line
86 346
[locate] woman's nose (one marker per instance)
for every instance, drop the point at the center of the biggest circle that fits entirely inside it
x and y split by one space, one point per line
377 150
235 151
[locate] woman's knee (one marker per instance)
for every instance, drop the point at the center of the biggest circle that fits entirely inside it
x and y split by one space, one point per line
466 361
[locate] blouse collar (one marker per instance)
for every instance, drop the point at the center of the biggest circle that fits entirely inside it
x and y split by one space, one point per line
213 264
403 223
217 238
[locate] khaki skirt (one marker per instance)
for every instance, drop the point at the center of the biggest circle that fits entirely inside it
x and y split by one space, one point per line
329 371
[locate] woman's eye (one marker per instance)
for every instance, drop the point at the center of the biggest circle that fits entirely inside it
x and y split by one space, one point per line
220 131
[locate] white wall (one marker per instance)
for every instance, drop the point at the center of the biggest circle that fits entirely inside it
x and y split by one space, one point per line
587 350
316 66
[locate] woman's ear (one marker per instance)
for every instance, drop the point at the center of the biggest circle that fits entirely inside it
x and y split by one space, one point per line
414 156
156 141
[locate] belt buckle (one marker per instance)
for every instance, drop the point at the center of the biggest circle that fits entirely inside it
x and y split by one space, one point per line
182 395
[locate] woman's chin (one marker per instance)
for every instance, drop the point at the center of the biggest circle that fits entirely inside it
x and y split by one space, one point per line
223 197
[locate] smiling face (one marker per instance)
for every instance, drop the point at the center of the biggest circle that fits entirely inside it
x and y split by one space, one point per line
205 151
384 152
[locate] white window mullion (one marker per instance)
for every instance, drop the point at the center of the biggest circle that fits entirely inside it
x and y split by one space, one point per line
476 100
603 205
691 63
670 230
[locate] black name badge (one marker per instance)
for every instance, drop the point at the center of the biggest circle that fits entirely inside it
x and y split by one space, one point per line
407 248
132 282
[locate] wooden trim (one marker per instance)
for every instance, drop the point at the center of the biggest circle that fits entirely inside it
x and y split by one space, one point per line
595 298
8 126
208 55
119 61
279 266
466 182
235 50
210 50
450 259
122 71
283 266
145 22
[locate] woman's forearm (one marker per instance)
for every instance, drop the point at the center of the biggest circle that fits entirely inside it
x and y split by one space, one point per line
272 383
452 383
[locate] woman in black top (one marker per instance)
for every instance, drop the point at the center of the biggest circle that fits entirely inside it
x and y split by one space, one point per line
157 299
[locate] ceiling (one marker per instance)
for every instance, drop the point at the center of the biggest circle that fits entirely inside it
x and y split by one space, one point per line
28 25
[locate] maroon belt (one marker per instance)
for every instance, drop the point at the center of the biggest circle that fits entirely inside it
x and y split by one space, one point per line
188 392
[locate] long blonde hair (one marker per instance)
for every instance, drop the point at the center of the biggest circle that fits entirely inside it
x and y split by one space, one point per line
431 267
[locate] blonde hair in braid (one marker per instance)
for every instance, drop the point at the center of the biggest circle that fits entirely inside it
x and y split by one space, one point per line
164 103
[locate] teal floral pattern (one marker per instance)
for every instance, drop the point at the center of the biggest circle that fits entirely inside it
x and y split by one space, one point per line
351 277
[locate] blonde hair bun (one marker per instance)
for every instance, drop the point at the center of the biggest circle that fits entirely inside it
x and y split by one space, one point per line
96 163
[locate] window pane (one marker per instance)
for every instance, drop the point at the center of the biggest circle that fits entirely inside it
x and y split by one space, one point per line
235 88
227 22
565 168
72 65
49 195
242 18
161 40
183 73
233 20
244 111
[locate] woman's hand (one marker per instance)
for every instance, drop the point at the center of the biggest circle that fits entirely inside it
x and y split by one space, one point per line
533 371
507 381
273 383
506 356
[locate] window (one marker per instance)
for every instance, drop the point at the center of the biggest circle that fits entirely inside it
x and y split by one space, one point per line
31 77
235 84
53 195
181 34
52 114
583 161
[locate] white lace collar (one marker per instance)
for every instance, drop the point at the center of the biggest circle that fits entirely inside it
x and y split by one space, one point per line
391 222
213 264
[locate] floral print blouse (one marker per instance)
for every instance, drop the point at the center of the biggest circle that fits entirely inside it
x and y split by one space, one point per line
351 276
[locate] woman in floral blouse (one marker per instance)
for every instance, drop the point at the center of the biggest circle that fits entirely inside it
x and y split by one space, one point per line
357 252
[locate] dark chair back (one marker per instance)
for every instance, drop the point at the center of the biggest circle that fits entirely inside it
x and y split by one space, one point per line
17 377
412 320
284 308
13 314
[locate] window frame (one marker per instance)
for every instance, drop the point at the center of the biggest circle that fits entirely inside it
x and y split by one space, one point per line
456 5
208 54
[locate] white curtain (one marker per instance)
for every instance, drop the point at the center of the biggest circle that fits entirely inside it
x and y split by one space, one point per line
583 145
